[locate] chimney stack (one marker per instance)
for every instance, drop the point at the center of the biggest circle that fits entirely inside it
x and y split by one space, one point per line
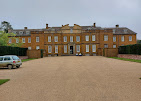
25 27
117 26
46 26
94 24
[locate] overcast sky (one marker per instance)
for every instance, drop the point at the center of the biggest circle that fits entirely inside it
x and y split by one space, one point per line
106 13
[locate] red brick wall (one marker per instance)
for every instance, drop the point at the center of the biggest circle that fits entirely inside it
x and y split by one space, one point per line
130 56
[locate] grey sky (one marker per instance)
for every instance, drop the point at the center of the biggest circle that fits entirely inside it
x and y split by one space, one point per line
106 13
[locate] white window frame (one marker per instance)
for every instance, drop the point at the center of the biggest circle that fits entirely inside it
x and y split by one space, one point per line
29 48
17 40
23 40
49 49
87 37
130 38
49 38
10 40
77 38
71 38
93 37
65 38
77 48
56 48
105 37
87 48
114 46
114 38
29 40
37 39
37 47
55 38
65 48
93 48
122 38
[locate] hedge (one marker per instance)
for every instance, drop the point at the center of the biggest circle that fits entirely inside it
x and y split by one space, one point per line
130 49
8 50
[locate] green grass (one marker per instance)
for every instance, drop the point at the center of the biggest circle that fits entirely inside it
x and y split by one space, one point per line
24 60
132 60
3 81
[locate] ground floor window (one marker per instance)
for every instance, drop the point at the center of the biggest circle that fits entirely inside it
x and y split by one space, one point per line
87 48
65 48
56 48
29 48
49 49
37 47
78 48
93 48
105 45
114 46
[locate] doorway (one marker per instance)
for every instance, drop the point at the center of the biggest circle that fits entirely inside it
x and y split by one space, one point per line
71 49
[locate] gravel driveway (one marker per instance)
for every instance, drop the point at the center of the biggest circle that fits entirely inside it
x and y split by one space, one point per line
71 78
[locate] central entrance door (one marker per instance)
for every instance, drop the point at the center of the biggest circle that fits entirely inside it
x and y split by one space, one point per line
71 49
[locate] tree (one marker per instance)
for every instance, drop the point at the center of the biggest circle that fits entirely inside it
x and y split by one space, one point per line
4 39
5 26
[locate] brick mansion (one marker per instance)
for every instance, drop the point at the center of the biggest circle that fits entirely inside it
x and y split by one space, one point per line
72 40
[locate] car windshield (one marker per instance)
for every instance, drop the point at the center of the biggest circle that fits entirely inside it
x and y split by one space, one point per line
1 58
15 57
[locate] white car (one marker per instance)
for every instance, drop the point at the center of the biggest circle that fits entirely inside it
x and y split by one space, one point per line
10 61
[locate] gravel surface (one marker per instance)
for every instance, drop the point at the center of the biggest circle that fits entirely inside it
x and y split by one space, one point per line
71 78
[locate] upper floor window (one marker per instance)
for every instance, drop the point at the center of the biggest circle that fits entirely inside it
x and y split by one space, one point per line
20 32
105 45
130 38
71 30
71 38
114 38
49 38
87 48
23 40
105 37
56 38
87 37
29 40
122 38
37 39
77 38
93 37
114 30
49 49
10 40
65 38
93 48
17 40
78 48
27 32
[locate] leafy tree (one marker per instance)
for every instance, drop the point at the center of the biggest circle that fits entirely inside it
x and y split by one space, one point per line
4 39
139 41
5 26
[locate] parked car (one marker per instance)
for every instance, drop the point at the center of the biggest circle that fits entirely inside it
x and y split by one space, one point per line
10 61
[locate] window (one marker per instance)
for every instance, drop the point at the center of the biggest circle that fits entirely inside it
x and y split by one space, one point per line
78 48
49 38
87 48
10 40
6 58
27 32
71 30
65 38
37 47
114 38
37 39
71 38
29 48
114 46
56 48
14 32
1 58
122 38
49 49
114 30
105 37
20 32
15 58
93 37
105 45
17 40
23 40
130 38
93 48
29 40
125 30
56 38
77 38
87 37
65 48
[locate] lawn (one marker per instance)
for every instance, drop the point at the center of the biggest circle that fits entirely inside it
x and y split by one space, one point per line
3 81
132 60
24 60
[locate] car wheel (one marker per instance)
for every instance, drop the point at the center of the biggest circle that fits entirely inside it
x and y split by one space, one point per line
10 66
18 66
